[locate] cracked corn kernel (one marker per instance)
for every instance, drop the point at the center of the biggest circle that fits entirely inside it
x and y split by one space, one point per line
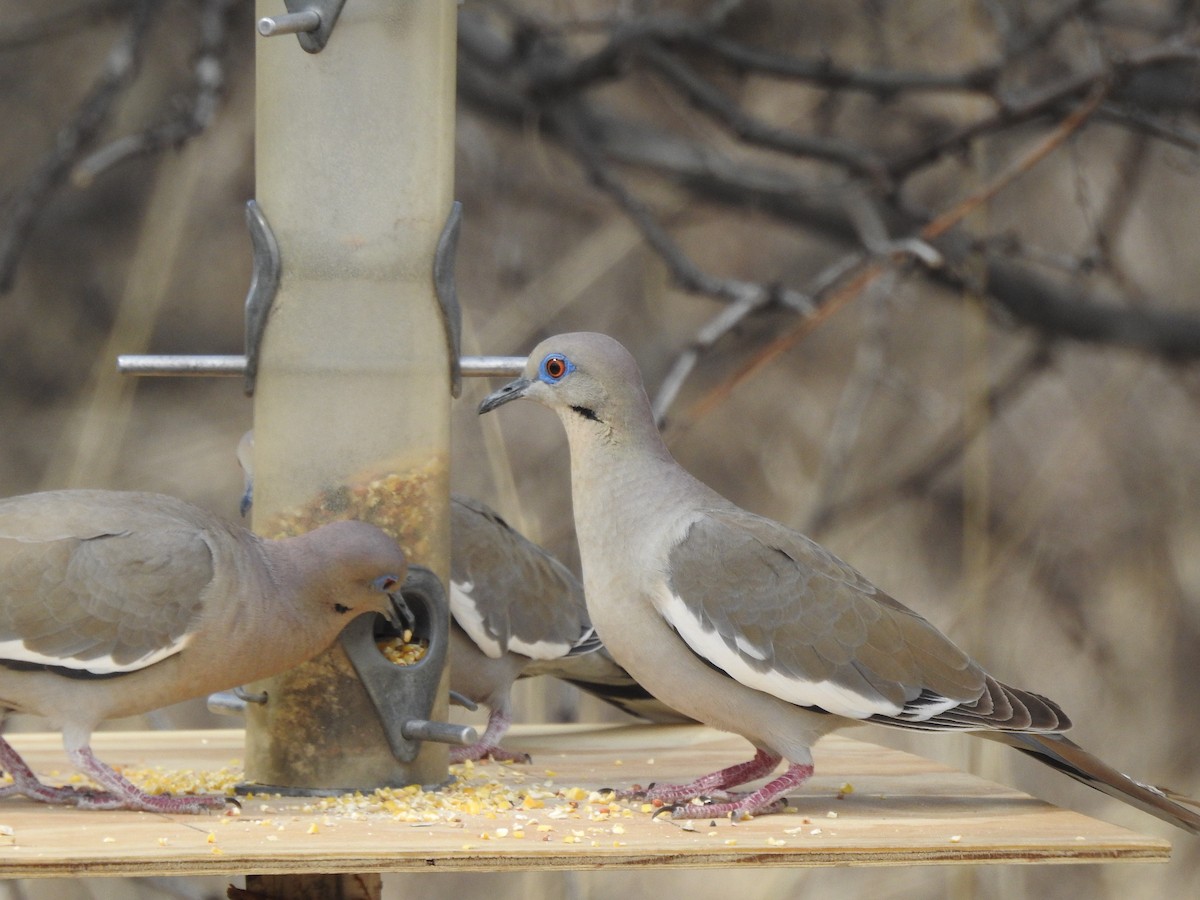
402 650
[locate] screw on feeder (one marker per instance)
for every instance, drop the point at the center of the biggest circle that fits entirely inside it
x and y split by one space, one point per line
289 23
311 21
233 702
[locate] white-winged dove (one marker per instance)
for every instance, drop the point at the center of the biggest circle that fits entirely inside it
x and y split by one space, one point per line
749 626
117 603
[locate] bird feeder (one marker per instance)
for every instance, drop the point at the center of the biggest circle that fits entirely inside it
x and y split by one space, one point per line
354 177
352 357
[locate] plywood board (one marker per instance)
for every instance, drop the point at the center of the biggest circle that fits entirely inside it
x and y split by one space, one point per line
867 805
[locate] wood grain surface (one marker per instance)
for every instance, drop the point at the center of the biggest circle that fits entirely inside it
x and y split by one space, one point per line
899 809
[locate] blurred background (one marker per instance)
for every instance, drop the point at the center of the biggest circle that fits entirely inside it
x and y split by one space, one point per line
910 276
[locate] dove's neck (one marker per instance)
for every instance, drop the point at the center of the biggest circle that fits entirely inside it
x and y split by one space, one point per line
630 496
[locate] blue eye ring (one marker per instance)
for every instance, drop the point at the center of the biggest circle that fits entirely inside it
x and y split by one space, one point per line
555 368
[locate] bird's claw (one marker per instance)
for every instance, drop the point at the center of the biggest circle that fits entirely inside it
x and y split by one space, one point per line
494 753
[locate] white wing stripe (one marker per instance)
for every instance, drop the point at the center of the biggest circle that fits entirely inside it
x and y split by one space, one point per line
466 614
539 649
101 665
708 644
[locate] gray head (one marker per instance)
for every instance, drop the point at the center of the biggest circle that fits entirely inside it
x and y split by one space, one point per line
584 377
352 567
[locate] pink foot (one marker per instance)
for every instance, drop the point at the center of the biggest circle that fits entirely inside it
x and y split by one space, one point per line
489 744
26 783
123 794
768 798
71 796
763 763
486 751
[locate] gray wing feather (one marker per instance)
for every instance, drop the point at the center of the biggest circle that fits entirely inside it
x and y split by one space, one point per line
807 615
520 591
90 575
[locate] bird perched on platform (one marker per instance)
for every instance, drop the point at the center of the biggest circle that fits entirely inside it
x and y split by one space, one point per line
751 627
117 603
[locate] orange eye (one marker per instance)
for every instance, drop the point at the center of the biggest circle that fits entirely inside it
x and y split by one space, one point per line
554 368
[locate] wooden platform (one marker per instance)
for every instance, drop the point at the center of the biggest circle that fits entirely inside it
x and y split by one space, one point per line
866 806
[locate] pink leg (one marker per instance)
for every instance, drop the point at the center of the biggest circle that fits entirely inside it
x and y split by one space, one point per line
123 794
764 763
489 744
26 784
760 801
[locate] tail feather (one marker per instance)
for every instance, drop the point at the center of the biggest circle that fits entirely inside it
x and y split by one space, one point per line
1071 759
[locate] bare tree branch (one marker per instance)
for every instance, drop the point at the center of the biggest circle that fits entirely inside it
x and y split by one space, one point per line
73 140
705 96
196 109
946 450
495 81
64 21
868 373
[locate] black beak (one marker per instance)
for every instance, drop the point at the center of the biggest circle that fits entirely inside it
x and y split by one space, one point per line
514 390
400 616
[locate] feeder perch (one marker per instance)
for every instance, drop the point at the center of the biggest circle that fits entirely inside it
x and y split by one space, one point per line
404 695
311 21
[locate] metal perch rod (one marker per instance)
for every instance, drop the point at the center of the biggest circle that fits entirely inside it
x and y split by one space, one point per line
234 366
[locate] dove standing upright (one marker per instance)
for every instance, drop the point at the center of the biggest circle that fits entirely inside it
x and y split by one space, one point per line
749 626
116 603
